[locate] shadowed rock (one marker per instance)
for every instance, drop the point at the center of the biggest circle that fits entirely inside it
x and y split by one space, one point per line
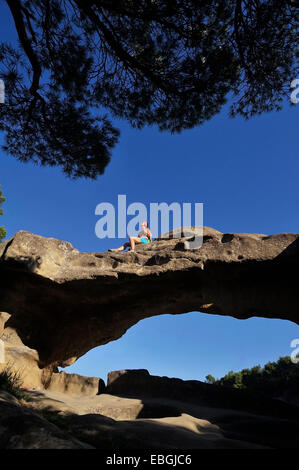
62 303
21 428
139 383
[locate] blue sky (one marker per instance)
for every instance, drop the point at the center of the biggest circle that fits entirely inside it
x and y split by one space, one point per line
245 173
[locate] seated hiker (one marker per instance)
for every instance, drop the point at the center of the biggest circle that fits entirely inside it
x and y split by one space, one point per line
144 236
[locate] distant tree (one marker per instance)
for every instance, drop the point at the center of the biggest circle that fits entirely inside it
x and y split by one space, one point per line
273 379
251 377
2 229
210 379
172 63
232 379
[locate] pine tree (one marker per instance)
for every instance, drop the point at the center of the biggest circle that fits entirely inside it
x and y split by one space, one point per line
172 63
273 379
210 379
2 229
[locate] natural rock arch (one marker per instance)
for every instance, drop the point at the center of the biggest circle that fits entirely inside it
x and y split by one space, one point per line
63 303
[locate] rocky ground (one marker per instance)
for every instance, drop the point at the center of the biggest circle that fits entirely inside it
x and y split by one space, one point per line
53 421
43 419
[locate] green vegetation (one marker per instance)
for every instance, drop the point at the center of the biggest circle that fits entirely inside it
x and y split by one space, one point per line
11 382
273 379
2 229
172 63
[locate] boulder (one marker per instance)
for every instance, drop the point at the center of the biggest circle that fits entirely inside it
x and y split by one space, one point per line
140 384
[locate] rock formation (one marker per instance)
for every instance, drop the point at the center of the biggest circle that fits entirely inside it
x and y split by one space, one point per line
62 303
141 411
25 362
139 383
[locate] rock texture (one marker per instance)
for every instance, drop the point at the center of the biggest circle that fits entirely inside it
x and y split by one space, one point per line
139 383
63 303
25 362
21 428
25 428
151 418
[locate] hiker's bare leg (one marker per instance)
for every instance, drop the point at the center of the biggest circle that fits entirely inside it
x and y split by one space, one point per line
133 241
123 247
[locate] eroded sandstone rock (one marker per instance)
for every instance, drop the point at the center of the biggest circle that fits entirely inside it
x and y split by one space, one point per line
138 383
24 362
63 303
21 428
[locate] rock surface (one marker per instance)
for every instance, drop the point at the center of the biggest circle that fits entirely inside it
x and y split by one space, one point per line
25 362
58 420
62 303
25 428
139 383
21 428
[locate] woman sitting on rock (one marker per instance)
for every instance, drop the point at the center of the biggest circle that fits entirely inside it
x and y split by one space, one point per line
144 236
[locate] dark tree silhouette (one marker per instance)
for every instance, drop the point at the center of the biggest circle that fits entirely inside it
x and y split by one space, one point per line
172 63
274 379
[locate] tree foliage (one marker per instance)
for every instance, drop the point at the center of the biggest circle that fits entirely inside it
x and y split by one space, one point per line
172 63
210 379
2 229
273 379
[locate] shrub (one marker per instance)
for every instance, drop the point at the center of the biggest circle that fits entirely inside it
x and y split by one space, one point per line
11 382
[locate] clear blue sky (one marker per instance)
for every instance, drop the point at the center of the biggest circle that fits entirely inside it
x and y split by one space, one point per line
245 173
